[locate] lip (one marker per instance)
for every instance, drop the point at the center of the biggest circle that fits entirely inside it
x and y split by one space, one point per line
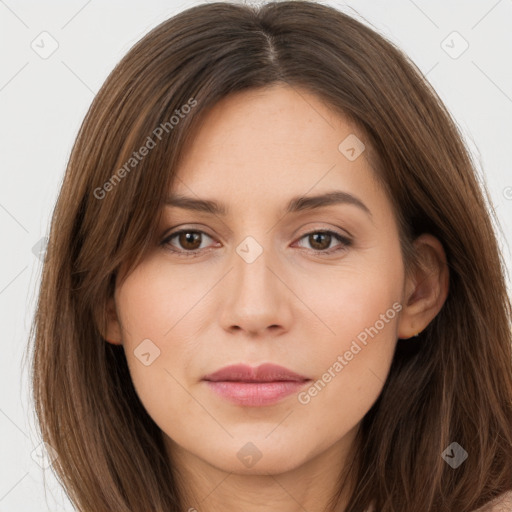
263 385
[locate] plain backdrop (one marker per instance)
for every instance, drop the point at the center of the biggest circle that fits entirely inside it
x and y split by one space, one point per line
43 99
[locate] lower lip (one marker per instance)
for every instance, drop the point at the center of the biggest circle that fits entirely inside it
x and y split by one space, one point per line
254 394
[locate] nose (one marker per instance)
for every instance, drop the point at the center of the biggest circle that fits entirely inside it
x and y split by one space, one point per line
256 298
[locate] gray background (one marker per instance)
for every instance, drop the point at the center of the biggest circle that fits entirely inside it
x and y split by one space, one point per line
43 101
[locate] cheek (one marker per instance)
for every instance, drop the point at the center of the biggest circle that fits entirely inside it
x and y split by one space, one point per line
162 311
360 341
149 306
156 300
351 368
358 336
358 303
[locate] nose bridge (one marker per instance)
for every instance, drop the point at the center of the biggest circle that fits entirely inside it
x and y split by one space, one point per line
253 281
256 296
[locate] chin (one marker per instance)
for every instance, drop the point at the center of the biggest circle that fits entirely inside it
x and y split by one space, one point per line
256 455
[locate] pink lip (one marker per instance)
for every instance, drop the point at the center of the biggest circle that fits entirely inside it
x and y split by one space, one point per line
263 385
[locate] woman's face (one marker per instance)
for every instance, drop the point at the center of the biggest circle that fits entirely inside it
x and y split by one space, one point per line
266 280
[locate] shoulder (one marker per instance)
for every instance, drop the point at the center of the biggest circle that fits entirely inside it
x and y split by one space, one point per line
502 503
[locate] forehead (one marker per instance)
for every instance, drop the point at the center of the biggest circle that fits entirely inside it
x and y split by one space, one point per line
292 120
274 142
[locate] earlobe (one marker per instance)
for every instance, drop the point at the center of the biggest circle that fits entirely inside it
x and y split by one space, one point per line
427 288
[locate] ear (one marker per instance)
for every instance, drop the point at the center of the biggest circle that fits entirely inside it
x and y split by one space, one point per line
425 291
113 330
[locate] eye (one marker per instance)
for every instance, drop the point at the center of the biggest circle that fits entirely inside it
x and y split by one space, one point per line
320 241
189 241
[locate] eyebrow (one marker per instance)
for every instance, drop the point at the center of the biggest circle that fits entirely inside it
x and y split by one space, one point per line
296 204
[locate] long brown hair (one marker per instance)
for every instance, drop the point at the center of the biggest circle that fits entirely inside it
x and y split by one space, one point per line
451 384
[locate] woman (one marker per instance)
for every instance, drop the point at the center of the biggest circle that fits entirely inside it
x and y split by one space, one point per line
272 281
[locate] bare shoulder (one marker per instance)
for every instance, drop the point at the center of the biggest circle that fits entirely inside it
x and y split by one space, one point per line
502 503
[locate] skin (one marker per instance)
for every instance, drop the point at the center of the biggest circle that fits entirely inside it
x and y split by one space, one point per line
291 306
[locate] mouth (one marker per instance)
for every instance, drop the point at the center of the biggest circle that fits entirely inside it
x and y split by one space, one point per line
262 373
264 385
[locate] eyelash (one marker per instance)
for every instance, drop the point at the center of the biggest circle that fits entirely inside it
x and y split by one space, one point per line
346 243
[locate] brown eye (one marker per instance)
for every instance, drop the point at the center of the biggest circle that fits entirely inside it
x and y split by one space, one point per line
189 240
320 241
185 241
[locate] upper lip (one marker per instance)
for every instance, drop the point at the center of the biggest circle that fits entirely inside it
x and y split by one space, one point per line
263 373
